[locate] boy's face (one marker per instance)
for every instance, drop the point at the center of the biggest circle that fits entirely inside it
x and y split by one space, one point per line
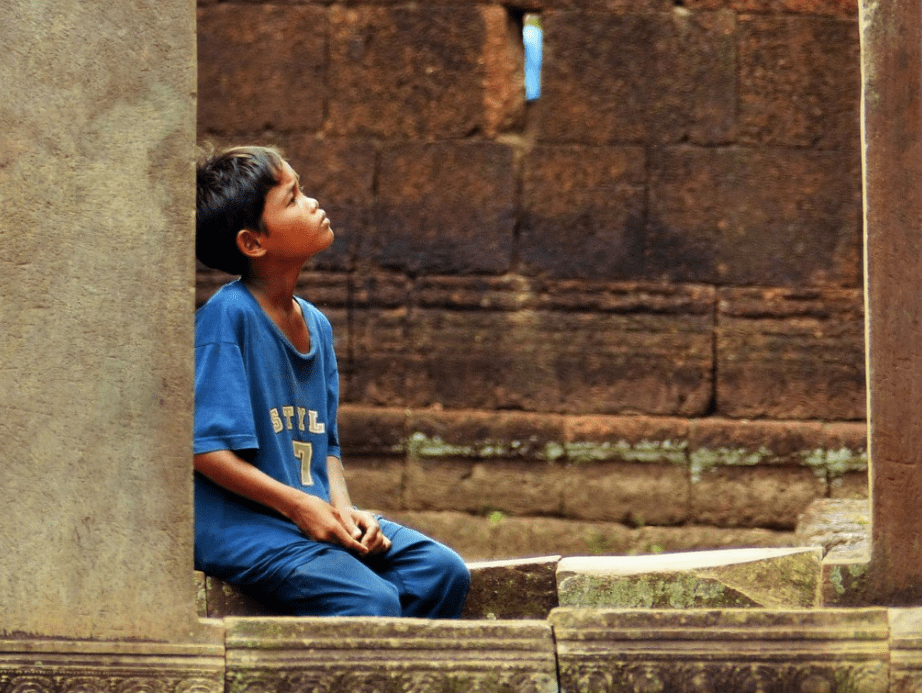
296 226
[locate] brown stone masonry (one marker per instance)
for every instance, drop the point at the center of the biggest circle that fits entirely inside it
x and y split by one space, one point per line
654 269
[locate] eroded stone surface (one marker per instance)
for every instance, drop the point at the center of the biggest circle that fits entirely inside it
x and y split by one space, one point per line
774 578
836 525
513 589
51 666
905 650
603 651
383 655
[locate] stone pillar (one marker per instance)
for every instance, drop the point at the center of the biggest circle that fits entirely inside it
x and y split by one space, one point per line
891 36
97 102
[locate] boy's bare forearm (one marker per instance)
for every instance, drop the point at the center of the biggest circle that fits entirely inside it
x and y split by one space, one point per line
316 518
339 493
229 471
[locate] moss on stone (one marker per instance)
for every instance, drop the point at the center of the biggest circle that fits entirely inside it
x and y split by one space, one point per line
651 591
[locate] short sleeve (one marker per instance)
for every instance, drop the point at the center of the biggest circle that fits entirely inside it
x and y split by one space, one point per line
223 412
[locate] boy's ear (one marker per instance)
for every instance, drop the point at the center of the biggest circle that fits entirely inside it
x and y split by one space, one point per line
248 243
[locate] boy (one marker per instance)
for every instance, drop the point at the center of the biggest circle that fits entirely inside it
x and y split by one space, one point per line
272 512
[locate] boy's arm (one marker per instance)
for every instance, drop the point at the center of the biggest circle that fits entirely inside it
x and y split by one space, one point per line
364 526
316 518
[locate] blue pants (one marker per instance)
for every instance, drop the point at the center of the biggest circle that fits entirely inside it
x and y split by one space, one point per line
416 577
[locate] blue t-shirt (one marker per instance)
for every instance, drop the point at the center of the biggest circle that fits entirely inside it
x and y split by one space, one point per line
257 395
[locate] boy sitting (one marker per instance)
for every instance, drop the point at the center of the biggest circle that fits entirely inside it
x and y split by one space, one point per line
272 513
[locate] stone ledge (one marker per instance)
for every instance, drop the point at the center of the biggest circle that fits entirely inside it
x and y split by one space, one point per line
906 650
80 666
751 578
722 650
388 655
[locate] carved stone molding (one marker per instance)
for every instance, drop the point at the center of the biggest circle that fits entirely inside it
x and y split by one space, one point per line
652 651
284 655
50 666
906 650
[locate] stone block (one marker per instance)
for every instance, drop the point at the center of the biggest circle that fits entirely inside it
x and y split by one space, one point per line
376 483
270 55
710 207
508 486
846 580
374 431
568 362
473 538
634 494
663 77
836 524
338 173
843 9
387 655
497 368
512 589
423 71
535 536
583 212
722 650
800 81
223 600
485 435
735 578
905 650
849 485
626 469
120 666
791 354
444 208
754 474
689 537
379 365
753 496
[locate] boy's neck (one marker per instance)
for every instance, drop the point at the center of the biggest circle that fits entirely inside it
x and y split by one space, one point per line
275 289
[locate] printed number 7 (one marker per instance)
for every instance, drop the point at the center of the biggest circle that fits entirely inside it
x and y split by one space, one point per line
304 452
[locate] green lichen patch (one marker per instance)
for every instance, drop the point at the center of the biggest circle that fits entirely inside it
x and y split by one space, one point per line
644 451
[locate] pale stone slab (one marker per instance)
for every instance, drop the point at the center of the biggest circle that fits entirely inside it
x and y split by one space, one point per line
688 651
775 578
386 655
512 589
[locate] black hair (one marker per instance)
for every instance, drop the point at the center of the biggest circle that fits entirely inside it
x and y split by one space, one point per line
230 195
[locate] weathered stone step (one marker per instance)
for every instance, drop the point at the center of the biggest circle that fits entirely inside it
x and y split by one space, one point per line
729 650
388 655
775 578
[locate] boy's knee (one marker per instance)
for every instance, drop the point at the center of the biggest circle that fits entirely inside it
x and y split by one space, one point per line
457 574
382 600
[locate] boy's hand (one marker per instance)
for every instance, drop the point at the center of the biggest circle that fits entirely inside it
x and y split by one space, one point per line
320 521
365 528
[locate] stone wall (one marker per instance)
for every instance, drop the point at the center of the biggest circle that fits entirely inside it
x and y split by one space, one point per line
630 311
